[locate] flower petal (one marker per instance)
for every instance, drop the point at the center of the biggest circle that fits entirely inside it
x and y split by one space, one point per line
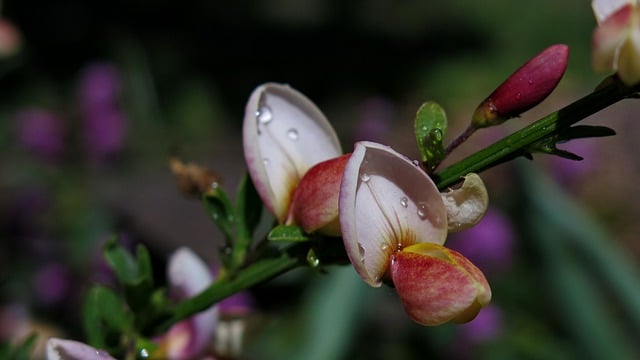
188 275
629 53
437 285
386 203
284 135
61 349
608 37
315 200
602 9
467 204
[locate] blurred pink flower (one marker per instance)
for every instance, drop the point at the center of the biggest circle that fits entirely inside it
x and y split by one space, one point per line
10 38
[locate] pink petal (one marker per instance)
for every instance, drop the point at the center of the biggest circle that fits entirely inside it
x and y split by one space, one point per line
60 349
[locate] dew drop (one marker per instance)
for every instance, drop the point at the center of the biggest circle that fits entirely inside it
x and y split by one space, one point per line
292 134
422 210
404 202
264 114
144 353
415 162
361 250
518 96
530 81
384 247
102 354
364 177
265 162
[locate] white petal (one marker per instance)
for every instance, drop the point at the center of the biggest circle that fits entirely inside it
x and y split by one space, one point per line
602 9
61 349
284 135
386 203
187 273
466 205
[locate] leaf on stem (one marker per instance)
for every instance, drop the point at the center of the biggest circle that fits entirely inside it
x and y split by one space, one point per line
430 128
287 233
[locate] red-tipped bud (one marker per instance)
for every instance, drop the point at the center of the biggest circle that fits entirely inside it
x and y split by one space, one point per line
315 201
438 285
525 88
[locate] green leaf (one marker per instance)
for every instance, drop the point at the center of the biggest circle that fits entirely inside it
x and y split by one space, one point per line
583 131
92 319
121 261
288 233
135 274
23 350
249 205
221 211
430 128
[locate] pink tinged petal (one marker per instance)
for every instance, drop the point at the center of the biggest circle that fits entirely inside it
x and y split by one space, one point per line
602 9
609 37
315 200
284 135
467 204
188 275
386 203
60 349
629 53
437 285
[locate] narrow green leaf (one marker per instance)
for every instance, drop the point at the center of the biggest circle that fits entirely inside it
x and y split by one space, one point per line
145 270
249 204
221 211
121 261
23 350
430 128
112 310
583 131
92 319
288 233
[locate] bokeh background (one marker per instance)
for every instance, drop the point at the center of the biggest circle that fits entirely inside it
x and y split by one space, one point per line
99 95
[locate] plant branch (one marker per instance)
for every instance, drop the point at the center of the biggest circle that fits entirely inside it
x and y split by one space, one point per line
515 145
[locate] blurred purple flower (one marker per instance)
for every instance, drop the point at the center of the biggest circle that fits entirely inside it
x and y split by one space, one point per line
104 134
485 327
376 114
98 87
489 244
104 123
238 304
41 133
567 172
51 283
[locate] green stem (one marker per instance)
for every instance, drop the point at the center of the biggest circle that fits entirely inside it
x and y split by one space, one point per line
516 144
254 274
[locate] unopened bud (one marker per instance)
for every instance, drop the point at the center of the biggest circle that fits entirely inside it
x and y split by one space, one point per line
525 88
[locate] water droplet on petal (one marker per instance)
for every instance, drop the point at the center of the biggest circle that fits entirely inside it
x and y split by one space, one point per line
292 134
361 250
422 210
518 96
530 81
364 177
265 161
102 354
264 114
404 202
144 353
415 162
384 247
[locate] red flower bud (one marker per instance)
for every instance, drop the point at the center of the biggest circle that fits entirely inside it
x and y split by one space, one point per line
525 88
315 201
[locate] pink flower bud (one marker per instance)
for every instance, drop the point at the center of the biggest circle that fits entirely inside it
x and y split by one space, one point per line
437 285
525 88
315 200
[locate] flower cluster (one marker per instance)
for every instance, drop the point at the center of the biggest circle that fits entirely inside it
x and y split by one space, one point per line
392 217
